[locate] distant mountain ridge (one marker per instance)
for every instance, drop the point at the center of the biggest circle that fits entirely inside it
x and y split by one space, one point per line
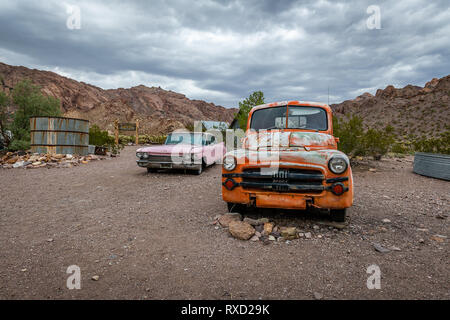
159 110
410 110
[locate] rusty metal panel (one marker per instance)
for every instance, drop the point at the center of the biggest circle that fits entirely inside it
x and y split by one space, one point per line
56 135
432 165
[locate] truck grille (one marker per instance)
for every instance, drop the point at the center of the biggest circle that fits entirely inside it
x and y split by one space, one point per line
158 158
283 180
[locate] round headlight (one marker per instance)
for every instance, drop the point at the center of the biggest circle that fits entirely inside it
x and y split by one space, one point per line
229 163
139 154
337 165
145 155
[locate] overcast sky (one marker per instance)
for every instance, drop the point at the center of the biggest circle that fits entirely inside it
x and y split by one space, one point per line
221 51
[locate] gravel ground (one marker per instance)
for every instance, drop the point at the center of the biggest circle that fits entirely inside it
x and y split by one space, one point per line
150 236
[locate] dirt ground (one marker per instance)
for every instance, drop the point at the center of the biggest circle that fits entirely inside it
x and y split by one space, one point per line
150 236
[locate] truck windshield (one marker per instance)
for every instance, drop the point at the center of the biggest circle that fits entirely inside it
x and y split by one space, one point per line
299 117
185 138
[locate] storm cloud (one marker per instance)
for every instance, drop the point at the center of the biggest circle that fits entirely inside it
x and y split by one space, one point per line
221 51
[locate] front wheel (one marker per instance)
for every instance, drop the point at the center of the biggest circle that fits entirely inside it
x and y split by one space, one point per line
151 170
199 171
338 215
236 207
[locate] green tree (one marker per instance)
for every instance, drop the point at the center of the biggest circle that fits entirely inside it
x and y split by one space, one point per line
30 102
255 99
4 103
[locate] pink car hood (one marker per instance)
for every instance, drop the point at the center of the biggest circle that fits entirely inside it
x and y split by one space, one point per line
171 148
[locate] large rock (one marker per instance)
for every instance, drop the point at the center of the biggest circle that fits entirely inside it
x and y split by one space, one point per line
256 222
288 233
268 227
241 230
12 160
225 219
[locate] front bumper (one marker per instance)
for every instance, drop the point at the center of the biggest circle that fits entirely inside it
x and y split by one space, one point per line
168 165
288 190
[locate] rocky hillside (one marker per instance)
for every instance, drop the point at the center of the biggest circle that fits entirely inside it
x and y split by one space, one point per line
160 111
410 110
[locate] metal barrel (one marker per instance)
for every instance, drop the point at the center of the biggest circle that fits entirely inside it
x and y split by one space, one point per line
57 135
432 165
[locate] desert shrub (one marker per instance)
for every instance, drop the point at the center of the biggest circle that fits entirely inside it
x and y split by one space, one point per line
152 139
377 143
401 147
19 145
124 139
100 138
440 144
143 139
354 141
350 135
4 117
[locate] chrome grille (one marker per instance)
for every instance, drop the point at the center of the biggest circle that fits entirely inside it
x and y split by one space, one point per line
158 158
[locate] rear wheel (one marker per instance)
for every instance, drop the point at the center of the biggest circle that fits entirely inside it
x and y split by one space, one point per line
338 215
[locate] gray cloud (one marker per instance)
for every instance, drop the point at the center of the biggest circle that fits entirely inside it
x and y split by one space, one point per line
221 51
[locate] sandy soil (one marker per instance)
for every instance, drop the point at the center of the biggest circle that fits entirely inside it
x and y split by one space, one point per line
150 236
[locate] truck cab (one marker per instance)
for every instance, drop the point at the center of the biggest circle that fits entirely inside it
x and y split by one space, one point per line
289 160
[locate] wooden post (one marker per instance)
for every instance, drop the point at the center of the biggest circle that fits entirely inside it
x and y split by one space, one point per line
116 131
137 131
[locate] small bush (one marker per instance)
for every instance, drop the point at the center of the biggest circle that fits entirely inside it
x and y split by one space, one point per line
100 138
377 143
152 139
350 135
440 144
19 145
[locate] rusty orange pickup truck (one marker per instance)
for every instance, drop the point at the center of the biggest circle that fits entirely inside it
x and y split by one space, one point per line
288 160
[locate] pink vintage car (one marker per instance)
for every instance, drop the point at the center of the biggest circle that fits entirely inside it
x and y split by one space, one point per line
182 150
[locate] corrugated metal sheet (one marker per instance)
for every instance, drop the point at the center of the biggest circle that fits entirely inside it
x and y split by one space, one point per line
432 165
59 135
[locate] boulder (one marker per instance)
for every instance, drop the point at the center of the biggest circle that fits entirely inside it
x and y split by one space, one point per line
241 230
252 222
288 233
18 164
12 160
225 219
268 227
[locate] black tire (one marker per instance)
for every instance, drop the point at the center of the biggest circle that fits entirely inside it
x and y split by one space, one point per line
151 170
338 215
199 171
236 207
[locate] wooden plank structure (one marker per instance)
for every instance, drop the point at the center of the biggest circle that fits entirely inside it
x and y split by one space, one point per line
126 127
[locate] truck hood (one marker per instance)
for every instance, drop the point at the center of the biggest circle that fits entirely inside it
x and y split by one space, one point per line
286 139
286 157
171 149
